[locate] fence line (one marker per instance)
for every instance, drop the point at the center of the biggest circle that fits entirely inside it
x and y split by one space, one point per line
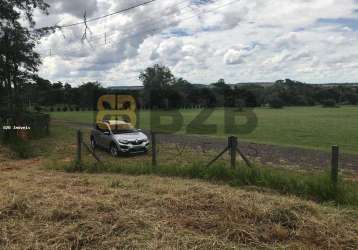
232 147
81 143
335 165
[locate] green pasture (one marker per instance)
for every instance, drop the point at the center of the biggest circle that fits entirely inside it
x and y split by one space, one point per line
309 127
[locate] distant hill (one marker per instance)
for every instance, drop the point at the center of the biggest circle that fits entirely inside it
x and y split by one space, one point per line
339 84
263 84
125 87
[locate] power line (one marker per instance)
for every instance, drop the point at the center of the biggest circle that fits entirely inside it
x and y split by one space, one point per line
145 22
106 35
100 17
156 29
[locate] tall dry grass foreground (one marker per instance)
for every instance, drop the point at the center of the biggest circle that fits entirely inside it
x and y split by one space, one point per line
42 209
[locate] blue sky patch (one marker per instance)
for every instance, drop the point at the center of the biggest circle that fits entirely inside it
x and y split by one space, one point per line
201 2
344 22
178 33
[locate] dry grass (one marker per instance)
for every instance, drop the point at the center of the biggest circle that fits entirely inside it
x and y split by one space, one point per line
41 209
53 210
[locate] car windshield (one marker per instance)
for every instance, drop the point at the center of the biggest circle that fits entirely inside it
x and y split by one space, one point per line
122 128
123 131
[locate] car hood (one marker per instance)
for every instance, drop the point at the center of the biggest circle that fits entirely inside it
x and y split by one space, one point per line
131 136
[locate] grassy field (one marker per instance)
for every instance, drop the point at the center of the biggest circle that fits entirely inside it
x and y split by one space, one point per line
309 127
192 163
45 203
132 209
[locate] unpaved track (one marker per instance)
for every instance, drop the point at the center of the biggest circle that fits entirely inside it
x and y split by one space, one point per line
266 154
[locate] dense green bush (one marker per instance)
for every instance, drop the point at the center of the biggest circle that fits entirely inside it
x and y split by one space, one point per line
275 102
21 148
329 103
38 108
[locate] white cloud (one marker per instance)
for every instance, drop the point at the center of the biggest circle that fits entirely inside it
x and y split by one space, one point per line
260 40
76 8
233 57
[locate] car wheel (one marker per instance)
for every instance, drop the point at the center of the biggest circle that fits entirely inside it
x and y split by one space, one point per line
114 150
93 143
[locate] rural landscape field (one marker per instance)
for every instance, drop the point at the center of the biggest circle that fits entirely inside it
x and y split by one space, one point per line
126 204
184 124
310 127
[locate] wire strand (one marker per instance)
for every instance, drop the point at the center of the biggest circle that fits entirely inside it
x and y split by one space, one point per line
97 18
147 31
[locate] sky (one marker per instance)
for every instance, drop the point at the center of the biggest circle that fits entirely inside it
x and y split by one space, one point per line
313 41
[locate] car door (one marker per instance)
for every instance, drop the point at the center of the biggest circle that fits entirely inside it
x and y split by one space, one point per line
104 137
99 134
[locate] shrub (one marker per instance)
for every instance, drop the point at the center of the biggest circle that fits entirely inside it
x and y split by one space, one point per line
59 109
38 108
64 109
22 148
329 103
276 102
51 109
352 98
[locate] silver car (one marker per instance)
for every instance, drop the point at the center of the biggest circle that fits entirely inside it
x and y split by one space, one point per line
119 137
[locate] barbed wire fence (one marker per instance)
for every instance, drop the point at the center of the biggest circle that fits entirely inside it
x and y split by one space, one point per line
232 148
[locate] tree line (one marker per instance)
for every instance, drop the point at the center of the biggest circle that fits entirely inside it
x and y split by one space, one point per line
21 89
163 90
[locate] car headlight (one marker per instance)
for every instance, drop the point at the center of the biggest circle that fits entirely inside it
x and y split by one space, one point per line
123 141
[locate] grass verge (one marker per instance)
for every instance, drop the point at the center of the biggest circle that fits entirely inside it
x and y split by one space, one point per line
21 148
57 210
316 186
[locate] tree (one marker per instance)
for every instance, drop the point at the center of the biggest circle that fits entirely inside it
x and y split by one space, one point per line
275 102
207 97
56 95
223 93
89 94
18 61
182 84
157 81
351 98
68 94
328 93
329 103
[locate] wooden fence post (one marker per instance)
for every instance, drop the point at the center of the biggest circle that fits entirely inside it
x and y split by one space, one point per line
79 146
232 144
154 149
335 164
